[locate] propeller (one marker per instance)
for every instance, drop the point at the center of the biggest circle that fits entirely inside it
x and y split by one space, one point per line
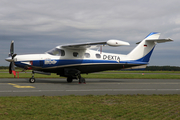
12 55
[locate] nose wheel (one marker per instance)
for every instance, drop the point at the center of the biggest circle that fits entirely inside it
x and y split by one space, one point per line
32 80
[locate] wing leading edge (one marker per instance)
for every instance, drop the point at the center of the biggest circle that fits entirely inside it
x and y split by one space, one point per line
95 44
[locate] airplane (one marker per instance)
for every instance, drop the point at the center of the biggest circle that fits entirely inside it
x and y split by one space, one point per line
72 60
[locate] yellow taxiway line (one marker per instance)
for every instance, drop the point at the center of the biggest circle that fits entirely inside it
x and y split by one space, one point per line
18 86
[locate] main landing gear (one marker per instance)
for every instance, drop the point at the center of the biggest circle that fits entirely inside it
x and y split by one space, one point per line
73 74
69 79
81 79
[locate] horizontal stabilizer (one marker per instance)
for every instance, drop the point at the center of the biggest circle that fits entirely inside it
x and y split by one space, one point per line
160 40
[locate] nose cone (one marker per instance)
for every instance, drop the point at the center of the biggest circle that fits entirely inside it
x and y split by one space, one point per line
9 59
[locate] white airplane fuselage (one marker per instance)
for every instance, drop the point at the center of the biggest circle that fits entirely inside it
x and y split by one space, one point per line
86 61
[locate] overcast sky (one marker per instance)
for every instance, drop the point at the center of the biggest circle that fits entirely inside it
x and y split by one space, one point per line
39 25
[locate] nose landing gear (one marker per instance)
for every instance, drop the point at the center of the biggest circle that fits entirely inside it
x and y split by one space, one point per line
32 79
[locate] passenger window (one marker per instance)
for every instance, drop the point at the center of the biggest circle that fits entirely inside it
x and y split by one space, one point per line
87 55
98 56
75 54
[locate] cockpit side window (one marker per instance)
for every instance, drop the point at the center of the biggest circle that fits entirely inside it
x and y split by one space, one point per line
62 53
56 52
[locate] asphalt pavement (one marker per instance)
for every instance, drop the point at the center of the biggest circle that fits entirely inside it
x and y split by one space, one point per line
59 87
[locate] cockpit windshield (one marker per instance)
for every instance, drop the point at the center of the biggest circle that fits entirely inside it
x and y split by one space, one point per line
56 52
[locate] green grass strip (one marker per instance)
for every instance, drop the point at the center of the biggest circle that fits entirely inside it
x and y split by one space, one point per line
91 107
103 75
114 71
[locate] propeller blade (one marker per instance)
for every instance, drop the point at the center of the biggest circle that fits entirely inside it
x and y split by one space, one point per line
10 70
12 66
13 56
12 48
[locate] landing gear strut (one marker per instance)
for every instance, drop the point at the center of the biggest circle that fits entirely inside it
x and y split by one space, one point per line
32 79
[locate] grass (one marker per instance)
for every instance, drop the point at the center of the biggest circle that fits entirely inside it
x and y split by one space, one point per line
139 71
109 75
133 76
91 107
115 71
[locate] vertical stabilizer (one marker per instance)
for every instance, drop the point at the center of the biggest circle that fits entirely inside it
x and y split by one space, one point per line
144 49
142 52
152 36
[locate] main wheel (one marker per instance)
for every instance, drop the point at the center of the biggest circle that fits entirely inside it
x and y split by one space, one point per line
32 80
82 80
69 79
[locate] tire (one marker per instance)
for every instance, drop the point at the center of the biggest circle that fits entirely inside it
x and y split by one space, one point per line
82 80
69 79
32 80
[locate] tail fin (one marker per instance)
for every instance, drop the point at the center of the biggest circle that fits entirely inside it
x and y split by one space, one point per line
144 49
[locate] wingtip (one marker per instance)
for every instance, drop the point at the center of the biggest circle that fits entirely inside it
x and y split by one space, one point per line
170 39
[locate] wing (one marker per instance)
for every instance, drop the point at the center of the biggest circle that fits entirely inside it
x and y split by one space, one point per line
95 44
84 45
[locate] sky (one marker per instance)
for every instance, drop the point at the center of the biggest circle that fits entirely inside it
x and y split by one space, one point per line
37 26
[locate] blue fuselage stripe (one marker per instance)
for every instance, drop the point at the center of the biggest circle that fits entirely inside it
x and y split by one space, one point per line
58 63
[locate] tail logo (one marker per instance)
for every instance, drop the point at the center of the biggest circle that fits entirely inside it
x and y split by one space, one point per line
49 61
